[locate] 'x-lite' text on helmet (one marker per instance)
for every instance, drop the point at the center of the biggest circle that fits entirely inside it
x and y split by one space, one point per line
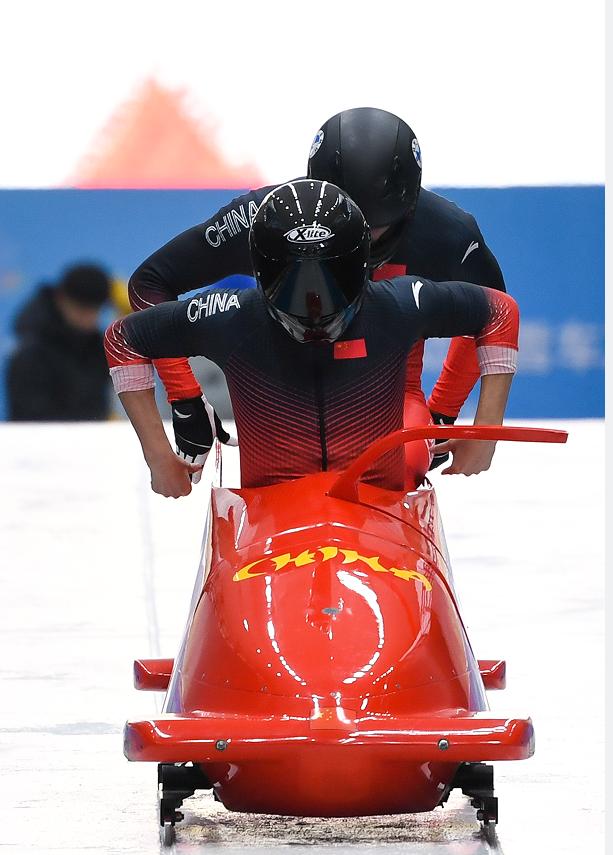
375 157
309 246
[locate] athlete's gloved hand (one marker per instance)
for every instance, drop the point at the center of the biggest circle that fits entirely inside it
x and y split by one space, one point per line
196 424
439 459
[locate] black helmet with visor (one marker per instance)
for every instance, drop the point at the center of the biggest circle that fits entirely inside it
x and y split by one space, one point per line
309 246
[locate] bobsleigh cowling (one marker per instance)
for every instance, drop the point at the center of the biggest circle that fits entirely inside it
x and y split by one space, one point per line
325 669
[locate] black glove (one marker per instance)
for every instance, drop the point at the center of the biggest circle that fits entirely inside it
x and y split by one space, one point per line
196 425
440 419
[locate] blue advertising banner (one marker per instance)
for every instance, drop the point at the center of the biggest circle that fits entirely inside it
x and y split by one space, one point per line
549 242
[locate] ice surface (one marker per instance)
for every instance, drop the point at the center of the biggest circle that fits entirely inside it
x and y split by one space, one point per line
96 571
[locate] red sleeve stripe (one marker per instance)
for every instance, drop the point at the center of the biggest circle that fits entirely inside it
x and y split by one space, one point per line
503 327
460 373
116 347
137 302
178 378
132 378
496 359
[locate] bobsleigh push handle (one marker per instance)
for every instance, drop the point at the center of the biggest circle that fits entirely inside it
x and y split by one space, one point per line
346 485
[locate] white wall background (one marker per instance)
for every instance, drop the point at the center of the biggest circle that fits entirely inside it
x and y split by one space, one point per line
505 92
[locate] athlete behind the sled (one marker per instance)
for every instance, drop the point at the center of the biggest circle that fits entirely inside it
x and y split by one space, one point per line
375 157
315 357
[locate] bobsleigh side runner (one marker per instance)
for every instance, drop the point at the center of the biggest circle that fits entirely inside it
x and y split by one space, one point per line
325 669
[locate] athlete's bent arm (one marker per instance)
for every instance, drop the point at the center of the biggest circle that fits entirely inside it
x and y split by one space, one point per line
471 456
199 256
495 318
160 332
460 369
170 474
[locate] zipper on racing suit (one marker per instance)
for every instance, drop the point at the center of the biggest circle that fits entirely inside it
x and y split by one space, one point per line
319 398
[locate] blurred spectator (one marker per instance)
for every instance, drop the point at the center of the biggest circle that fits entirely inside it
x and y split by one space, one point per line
58 371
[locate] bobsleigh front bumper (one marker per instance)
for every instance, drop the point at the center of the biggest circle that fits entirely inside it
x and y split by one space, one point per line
214 738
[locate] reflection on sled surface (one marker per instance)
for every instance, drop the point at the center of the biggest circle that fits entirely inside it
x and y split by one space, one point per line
325 668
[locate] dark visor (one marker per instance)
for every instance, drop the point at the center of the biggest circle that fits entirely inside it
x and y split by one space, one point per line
316 290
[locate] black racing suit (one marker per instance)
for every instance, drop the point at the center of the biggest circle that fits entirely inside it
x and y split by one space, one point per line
442 243
307 407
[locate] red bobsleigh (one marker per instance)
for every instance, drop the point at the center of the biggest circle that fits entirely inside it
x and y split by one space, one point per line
325 669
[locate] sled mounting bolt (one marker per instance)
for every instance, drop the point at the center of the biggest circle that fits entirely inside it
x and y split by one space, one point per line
221 744
443 744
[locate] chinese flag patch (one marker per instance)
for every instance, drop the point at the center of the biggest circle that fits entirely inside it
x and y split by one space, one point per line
353 349
388 271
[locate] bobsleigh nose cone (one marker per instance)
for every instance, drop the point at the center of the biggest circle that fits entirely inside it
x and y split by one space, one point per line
319 648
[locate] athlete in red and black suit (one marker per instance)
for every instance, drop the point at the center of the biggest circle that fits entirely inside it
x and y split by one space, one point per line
376 158
316 356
